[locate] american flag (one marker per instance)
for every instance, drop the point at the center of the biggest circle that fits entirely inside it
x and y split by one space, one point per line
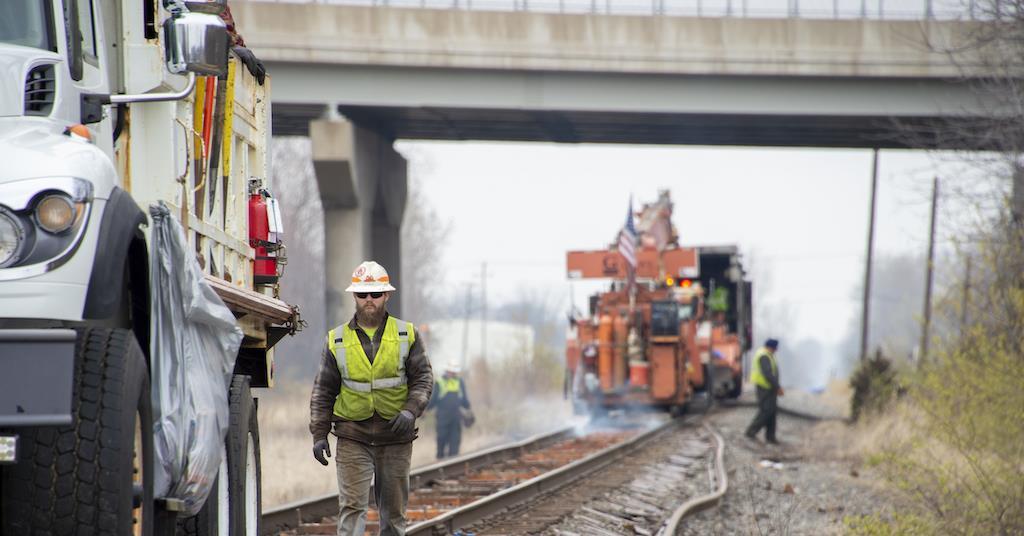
627 239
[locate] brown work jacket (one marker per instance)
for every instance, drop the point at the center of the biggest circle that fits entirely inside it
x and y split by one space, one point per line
375 430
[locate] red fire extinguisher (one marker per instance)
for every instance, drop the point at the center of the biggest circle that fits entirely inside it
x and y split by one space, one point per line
264 267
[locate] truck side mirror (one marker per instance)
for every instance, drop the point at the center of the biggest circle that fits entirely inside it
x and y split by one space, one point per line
196 43
74 38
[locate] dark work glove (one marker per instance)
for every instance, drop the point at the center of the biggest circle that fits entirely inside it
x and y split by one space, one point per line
321 451
402 423
252 63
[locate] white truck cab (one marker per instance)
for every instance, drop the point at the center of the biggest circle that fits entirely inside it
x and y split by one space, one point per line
108 107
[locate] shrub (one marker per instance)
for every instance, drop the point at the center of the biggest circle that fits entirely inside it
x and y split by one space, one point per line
874 386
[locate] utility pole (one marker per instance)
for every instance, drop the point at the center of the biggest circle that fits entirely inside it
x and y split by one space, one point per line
1017 199
928 277
865 316
483 311
465 326
966 298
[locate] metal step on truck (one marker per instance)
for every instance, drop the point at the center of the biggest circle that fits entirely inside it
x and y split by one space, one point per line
140 255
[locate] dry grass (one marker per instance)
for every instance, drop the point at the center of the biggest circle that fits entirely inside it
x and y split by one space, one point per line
856 442
837 394
290 473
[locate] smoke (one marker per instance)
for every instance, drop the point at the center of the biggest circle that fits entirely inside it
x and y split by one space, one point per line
894 325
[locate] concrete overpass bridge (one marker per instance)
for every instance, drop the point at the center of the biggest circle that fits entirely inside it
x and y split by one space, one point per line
355 78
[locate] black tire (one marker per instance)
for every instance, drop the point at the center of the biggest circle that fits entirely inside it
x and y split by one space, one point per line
207 522
81 479
243 506
737 386
706 386
243 448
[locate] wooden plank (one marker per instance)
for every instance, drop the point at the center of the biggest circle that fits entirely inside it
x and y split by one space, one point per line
243 300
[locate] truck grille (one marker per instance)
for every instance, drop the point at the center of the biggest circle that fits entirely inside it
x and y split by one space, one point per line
40 87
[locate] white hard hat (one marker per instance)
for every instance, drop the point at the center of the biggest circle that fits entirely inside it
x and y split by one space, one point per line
370 277
454 367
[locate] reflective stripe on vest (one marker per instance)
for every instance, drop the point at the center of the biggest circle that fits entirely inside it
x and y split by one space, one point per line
756 375
368 387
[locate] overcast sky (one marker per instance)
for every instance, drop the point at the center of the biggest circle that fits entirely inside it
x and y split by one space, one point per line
799 215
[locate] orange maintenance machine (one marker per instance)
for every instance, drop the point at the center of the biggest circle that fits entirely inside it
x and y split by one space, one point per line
682 327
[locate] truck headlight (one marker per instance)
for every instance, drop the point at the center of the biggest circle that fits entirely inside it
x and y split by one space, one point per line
12 236
42 222
55 213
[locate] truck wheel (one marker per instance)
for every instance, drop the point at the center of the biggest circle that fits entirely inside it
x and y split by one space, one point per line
737 386
243 446
233 507
96 473
708 382
212 519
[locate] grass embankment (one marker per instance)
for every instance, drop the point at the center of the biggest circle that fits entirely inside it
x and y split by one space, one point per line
953 445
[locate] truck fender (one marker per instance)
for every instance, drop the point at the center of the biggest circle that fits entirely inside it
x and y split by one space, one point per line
119 229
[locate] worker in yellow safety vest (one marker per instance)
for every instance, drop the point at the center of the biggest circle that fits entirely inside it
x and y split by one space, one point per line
374 381
453 411
764 374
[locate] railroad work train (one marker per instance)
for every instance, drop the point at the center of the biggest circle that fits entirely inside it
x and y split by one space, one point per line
680 324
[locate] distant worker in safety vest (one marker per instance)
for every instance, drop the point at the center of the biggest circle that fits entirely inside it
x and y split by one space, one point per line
764 375
374 382
452 405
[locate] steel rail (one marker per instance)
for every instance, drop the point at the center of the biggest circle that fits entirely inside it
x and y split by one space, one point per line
699 503
465 516
291 515
783 411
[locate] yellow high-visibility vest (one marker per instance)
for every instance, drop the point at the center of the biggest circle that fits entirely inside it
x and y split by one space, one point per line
756 375
448 385
379 387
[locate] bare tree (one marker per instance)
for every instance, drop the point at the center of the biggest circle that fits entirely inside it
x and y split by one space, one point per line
424 240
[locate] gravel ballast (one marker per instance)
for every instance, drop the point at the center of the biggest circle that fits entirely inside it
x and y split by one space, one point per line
808 485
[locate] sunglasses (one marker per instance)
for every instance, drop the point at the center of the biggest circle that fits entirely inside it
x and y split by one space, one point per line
364 295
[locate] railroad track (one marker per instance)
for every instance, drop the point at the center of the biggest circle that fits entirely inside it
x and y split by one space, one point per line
607 480
447 485
636 493
612 480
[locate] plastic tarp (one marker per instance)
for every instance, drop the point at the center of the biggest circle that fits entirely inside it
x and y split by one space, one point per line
194 344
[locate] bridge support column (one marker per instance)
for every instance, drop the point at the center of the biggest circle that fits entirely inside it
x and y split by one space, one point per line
362 182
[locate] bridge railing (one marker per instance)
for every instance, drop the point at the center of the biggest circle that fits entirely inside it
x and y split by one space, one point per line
804 9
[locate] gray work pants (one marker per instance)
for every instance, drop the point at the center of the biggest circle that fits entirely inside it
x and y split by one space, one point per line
767 408
387 466
449 435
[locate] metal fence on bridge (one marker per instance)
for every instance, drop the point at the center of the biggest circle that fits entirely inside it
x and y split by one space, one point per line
804 9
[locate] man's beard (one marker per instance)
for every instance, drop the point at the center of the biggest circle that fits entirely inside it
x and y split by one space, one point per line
369 318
